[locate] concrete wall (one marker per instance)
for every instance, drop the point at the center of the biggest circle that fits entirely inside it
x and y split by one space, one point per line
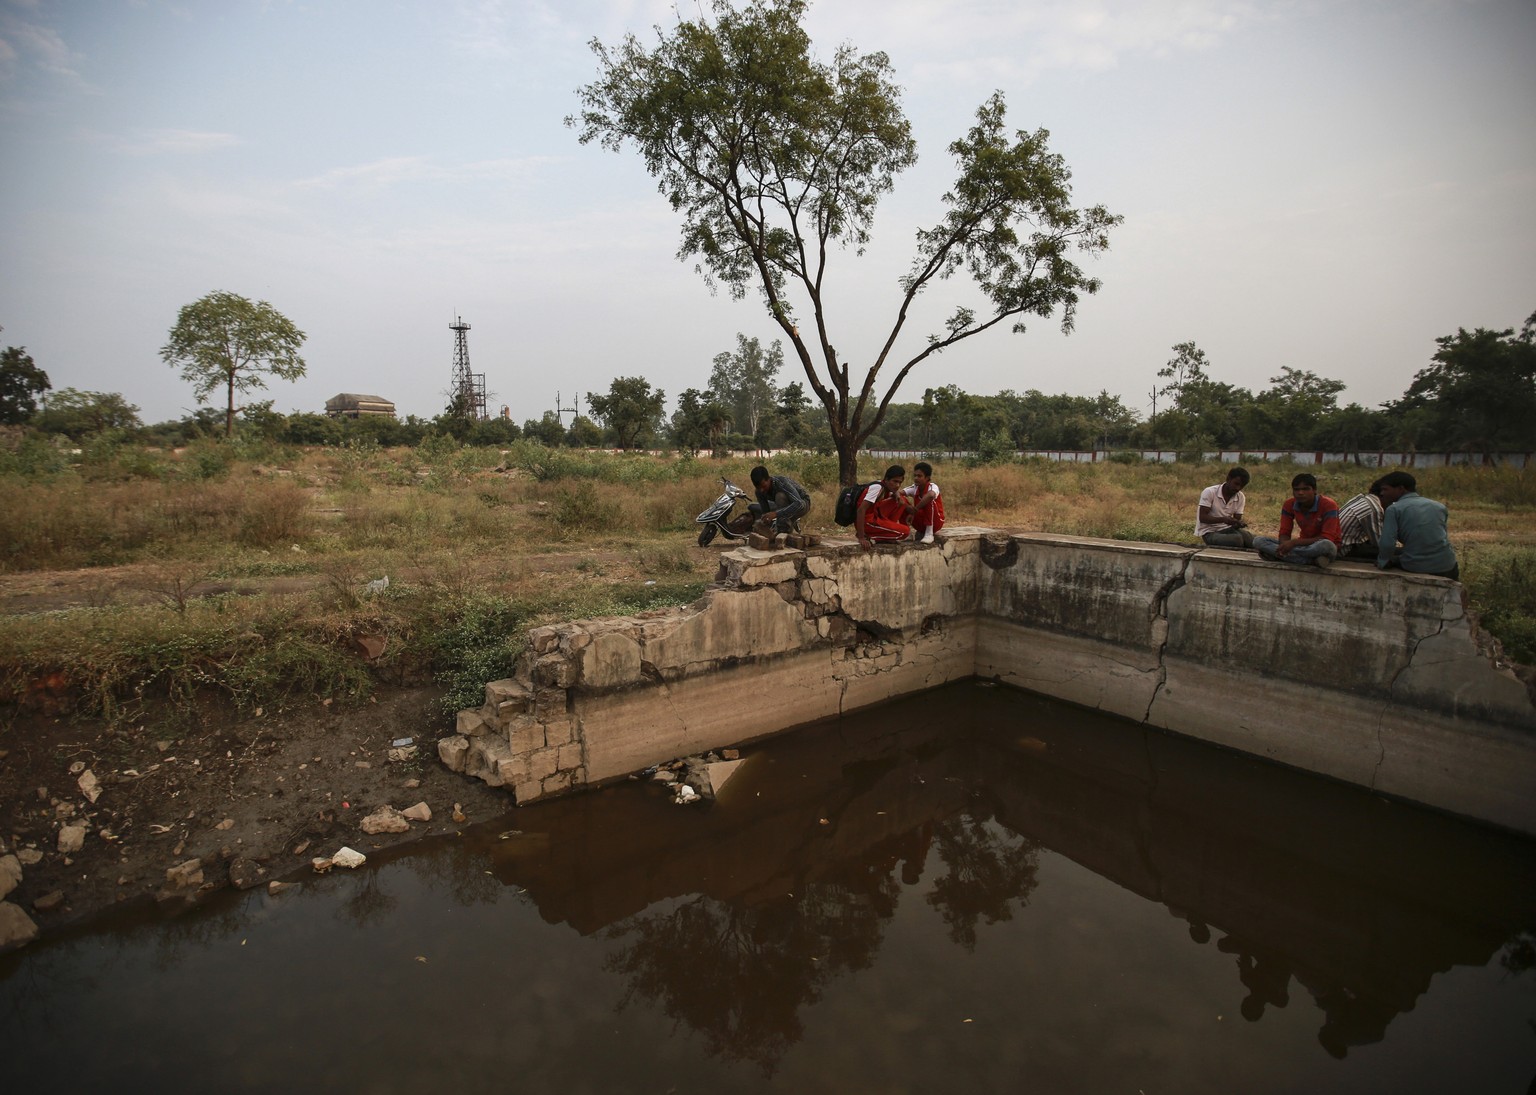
1378 679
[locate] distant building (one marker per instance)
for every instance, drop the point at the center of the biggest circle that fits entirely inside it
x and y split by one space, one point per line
351 405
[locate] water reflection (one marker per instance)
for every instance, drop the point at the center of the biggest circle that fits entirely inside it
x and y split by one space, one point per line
844 874
735 920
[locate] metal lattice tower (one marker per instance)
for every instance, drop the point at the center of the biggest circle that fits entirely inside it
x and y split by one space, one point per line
468 387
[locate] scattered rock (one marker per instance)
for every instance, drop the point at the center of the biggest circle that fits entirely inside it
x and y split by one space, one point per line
29 856
71 838
403 753
225 825
361 764
274 887
49 901
661 775
89 785
686 794
350 858
411 784
420 812
386 819
10 874
185 876
16 927
731 754
458 814
321 864
243 873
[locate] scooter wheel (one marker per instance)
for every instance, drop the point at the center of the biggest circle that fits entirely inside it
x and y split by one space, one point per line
706 535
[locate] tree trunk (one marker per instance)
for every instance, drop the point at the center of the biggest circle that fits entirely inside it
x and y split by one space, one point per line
847 460
229 415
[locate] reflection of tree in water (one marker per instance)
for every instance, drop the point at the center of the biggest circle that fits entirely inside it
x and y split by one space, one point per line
461 873
990 868
739 974
366 901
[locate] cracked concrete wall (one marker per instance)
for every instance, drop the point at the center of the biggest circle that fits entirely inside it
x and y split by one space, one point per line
1377 679
784 638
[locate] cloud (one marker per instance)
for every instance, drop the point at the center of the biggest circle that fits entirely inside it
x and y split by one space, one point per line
156 142
396 170
1057 35
28 48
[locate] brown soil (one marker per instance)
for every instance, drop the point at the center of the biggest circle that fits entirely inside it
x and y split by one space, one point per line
254 799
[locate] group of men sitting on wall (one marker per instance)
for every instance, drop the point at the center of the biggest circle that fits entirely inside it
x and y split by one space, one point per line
887 511
1390 523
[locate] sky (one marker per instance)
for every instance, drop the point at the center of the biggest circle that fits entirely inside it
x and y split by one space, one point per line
1328 185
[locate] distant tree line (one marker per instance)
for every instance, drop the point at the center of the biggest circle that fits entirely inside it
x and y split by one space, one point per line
1478 393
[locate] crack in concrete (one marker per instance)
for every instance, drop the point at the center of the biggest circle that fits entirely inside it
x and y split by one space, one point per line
1159 609
1392 700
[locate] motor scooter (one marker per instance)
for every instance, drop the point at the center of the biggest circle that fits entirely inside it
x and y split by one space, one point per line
717 519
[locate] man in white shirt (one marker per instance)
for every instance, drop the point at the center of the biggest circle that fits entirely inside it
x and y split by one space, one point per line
1219 521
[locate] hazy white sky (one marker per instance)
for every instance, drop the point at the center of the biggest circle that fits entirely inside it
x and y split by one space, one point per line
1325 184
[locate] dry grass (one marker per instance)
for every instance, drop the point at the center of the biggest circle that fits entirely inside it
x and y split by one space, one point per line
479 543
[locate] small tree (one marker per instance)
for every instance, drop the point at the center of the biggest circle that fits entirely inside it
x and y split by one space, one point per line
690 422
21 382
630 410
743 381
225 340
546 431
77 414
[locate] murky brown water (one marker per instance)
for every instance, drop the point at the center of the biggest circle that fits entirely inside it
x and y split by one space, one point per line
974 891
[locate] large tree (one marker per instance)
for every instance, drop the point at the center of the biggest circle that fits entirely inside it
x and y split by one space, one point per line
225 340
630 410
1480 390
775 158
21 382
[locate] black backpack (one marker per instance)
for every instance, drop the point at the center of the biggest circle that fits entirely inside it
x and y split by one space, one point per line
848 502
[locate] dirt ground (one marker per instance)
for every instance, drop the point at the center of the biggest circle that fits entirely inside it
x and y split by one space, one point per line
252 799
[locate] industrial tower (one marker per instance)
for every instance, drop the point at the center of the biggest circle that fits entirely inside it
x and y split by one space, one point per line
468 388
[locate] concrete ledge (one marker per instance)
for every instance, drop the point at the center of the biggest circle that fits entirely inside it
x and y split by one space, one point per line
1379 679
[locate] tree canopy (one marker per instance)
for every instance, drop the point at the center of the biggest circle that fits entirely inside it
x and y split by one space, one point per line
630 410
225 340
743 382
774 158
21 382
77 414
1480 389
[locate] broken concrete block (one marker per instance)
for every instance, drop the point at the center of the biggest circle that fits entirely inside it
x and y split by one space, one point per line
451 751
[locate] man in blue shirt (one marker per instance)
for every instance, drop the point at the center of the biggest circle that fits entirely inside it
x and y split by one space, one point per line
1419 524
